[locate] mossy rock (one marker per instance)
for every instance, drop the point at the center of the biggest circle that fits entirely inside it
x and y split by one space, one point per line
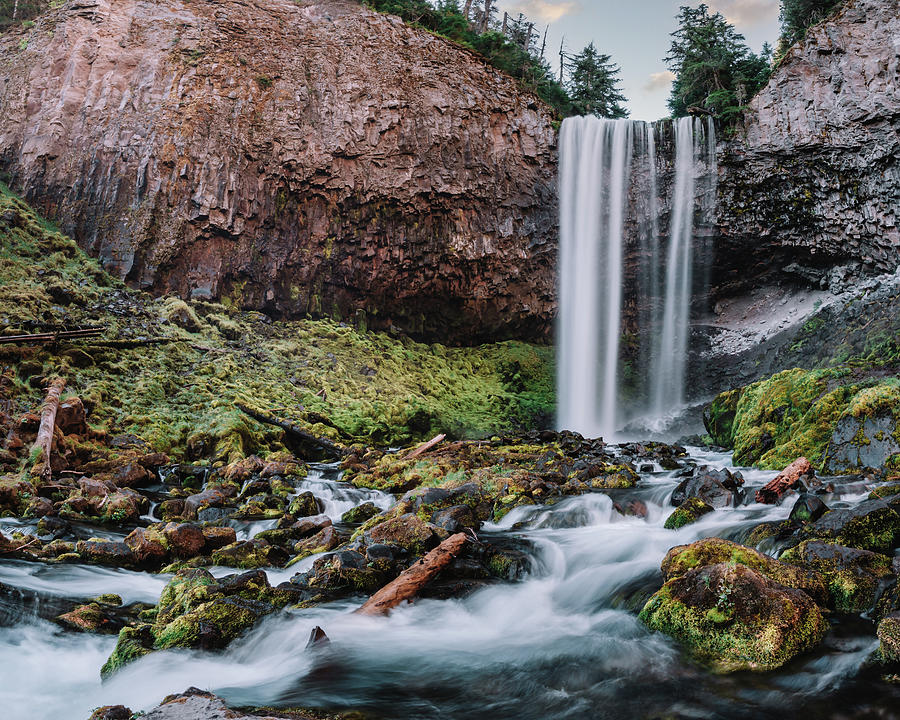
872 525
407 531
133 643
730 618
719 417
360 513
889 635
854 577
711 551
688 512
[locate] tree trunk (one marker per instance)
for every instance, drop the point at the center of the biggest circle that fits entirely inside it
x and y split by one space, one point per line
787 479
298 432
505 21
15 9
425 447
467 10
44 442
411 581
486 18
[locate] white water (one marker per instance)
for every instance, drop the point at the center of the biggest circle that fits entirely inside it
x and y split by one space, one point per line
598 201
667 377
560 644
595 164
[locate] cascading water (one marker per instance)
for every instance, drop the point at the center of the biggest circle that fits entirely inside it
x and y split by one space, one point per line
611 258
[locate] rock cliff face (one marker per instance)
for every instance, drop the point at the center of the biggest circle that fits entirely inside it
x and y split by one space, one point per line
814 176
307 157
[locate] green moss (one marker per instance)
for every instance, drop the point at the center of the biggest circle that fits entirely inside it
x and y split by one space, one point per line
794 413
323 376
129 647
688 512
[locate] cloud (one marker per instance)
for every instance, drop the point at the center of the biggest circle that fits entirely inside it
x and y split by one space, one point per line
659 81
546 10
747 13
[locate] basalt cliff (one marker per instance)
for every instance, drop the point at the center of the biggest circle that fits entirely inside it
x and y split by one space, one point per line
305 157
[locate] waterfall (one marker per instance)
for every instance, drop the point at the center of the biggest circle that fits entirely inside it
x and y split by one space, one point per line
667 378
595 160
614 260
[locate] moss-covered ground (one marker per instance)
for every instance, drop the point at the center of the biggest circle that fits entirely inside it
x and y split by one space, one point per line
171 371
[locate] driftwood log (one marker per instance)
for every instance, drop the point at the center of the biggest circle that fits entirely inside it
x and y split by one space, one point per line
43 445
298 432
410 582
425 447
787 479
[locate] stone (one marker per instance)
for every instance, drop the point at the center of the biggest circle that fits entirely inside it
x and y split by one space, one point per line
360 513
185 540
732 618
218 537
717 488
864 442
106 552
688 512
889 635
148 546
111 712
469 186
407 531
455 519
853 577
872 525
808 508
304 505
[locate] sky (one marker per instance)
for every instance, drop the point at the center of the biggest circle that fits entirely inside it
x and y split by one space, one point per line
636 34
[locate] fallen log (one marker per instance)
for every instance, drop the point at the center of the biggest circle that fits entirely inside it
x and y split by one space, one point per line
43 445
411 581
323 443
425 447
49 336
787 479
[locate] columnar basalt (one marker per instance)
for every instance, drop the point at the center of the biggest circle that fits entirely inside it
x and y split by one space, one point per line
307 157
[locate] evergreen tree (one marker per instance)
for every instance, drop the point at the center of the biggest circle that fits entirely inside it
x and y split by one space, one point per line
714 69
594 85
798 15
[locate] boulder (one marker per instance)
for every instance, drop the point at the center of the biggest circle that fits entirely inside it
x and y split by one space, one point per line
360 513
149 546
688 512
730 618
106 552
854 577
91 618
872 525
456 518
808 508
305 505
326 539
250 554
711 551
218 537
407 531
717 488
889 635
185 540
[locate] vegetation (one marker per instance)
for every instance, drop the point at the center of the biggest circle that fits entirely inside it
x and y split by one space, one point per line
594 85
798 15
16 12
180 395
714 69
514 46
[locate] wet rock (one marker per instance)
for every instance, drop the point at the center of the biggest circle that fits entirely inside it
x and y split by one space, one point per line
38 507
304 527
305 504
860 442
717 488
106 552
688 512
149 547
456 519
250 554
407 531
54 526
360 513
71 417
91 618
209 498
341 574
132 643
808 508
711 551
243 469
170 509
218 537
730 618
130 475
185 540
872 525
111 712
889 635
324 540
853 577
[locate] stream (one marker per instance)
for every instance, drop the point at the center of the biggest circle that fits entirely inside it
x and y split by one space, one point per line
564 642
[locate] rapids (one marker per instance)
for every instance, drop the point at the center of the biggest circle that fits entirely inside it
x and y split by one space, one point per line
564 642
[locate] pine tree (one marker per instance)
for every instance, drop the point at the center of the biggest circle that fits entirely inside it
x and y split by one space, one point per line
714 69
594 85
